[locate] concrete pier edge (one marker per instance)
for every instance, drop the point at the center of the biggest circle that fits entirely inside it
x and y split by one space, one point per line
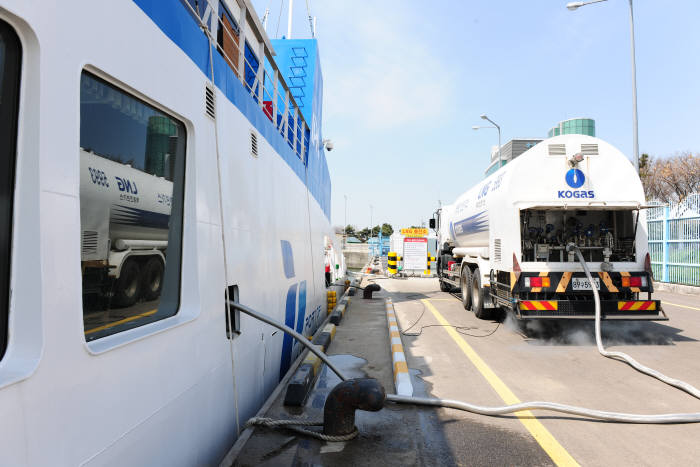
245 435
402 379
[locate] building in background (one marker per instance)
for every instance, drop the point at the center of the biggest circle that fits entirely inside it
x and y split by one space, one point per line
509 151
573 126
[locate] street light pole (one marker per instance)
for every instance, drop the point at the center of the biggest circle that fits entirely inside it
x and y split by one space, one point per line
496 126
635 143
345 225
635 127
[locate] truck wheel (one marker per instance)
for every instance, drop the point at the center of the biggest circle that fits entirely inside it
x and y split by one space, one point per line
477 296
152 278
465 280
128 286
444 286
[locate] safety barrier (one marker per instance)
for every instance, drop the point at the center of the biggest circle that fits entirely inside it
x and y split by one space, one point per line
392 262
330 301
430 259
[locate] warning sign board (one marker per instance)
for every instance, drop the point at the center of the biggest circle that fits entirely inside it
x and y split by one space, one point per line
415 253
417 232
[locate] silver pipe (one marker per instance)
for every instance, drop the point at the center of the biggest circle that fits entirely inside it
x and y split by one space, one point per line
302 340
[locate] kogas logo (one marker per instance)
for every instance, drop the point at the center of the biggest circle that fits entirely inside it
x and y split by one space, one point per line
575 179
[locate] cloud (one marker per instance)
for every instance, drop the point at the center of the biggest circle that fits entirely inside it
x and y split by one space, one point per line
381 73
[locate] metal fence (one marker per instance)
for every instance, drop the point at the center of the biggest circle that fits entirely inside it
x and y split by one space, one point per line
674 241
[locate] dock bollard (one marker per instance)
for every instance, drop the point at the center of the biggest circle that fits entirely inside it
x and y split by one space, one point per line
391 262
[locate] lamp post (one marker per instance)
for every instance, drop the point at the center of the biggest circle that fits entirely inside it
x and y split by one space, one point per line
635 128
345 224
496 126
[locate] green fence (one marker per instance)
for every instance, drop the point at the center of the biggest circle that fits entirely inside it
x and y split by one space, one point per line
674 241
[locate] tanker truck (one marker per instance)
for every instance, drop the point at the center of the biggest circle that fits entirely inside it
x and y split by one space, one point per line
503 244
124 215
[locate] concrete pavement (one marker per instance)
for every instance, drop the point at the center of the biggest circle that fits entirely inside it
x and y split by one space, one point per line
560 365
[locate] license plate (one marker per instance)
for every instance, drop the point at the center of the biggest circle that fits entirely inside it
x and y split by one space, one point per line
582 283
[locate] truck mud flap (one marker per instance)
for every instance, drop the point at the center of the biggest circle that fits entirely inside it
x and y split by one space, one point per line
585 309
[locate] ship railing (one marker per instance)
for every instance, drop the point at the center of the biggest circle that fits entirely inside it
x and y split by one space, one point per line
262 79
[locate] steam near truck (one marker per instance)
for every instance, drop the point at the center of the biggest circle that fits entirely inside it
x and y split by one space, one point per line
503 243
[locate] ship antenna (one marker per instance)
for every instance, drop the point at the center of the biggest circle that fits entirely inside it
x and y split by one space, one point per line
279 17
312 20
264 19
289 19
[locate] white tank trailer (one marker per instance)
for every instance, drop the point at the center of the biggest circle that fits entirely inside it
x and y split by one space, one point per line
503 242
124 218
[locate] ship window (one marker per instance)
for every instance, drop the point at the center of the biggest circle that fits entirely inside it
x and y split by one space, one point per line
251 71
132 167
227 38
10 63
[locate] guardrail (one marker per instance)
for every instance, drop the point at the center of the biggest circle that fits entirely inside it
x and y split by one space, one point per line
250 57
674 241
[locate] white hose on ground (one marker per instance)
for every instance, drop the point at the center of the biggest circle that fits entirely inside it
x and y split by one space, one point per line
682 385
619 417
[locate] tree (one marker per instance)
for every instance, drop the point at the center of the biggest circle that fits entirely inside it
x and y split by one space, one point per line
350 230
363 234
670 179
387 229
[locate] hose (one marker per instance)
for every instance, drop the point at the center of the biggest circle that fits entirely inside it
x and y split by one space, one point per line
302 340
682 385
552 406
570 409
619 417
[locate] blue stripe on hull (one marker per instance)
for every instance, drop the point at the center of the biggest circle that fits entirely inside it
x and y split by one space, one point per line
287 343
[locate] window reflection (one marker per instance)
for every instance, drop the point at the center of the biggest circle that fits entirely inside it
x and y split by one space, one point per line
132 171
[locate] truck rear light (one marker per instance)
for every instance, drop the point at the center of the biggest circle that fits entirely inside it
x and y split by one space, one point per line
634 281
537 282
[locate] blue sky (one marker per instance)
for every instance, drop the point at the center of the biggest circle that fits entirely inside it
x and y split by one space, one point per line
405 81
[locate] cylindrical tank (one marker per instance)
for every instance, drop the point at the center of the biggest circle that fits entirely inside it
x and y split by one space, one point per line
119 202
565 172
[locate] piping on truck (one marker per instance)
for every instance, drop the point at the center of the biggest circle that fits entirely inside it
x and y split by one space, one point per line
124 217
503 242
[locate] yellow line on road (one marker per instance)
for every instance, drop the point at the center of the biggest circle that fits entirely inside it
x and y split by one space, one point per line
122 321
682 306
545 439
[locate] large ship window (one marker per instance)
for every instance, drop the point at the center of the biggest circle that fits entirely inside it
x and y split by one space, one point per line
132 168
601 234
10 63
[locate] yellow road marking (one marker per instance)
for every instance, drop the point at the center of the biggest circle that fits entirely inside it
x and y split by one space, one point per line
682 306
116 323
545 439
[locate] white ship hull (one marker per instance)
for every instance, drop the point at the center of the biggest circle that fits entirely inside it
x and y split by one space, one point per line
172 392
